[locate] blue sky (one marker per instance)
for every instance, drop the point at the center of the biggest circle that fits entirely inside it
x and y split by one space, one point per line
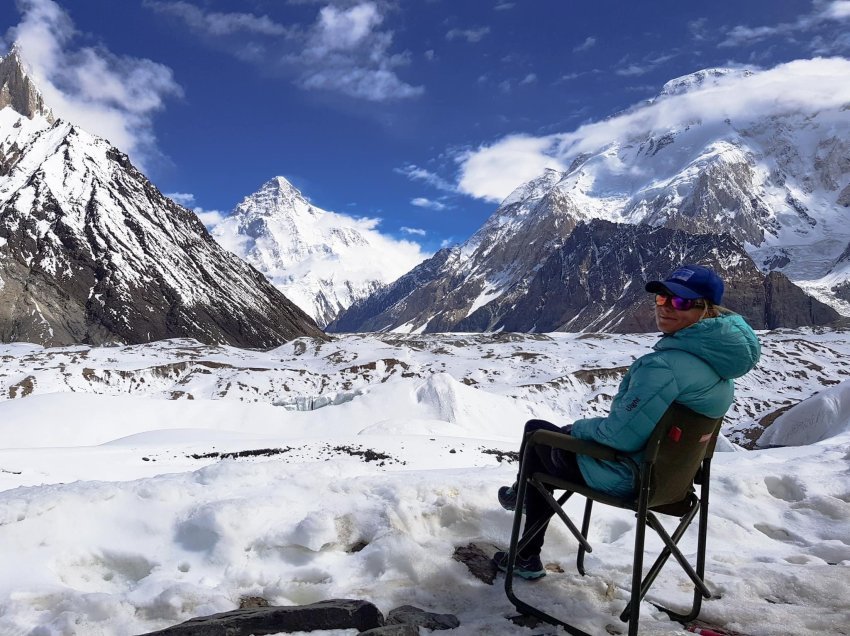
422 113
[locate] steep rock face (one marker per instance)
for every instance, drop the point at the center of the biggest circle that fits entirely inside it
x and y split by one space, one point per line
322 261
18 91
595 282
498 260
92 252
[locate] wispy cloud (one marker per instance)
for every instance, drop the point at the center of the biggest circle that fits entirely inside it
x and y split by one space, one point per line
470 35
492 171
633 70
345 49
110 95
589 43
415 231
823 12
422 202
504 6
216 23
415 173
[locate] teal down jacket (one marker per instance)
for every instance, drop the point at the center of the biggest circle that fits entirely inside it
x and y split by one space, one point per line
693 367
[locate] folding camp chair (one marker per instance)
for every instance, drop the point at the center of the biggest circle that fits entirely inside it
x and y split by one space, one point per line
677 455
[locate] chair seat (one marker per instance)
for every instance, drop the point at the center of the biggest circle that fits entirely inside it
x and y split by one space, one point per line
583 489
673 508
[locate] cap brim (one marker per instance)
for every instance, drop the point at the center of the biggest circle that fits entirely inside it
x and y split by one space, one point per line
673 289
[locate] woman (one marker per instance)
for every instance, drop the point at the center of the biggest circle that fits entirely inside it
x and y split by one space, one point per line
702 348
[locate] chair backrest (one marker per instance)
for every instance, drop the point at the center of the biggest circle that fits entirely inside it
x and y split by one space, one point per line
681 440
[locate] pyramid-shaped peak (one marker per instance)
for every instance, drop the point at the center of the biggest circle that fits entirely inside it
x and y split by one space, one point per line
17 88
282 185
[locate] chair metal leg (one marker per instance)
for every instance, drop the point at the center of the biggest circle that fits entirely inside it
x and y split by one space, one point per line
556 508
632 611
702 590
585 529
521 606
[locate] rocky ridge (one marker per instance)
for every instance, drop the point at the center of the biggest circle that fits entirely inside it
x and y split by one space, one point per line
91 251
774 185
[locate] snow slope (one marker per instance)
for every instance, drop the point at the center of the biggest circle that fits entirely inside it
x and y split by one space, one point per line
119 515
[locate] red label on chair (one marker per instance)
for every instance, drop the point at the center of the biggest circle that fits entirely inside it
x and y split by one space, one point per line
705 438
675 434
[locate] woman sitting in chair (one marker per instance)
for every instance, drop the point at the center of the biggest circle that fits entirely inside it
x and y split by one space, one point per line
702 348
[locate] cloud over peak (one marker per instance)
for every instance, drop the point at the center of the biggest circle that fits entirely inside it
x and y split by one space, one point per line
492 171
113 96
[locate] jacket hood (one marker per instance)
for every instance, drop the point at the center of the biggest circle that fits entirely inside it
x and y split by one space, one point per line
727 343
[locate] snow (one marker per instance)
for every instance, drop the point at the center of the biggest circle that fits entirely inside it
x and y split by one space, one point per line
818 418
322 261
117 517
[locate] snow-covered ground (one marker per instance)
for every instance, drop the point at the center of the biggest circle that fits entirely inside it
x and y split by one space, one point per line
121 512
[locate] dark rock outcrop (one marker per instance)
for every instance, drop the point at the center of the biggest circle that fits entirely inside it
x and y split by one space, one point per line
412 615
332 614
595 282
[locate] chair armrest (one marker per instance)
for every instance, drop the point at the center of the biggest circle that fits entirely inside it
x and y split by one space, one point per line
575 445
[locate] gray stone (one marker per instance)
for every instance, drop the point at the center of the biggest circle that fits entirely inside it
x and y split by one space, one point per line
331 614
411 615
479 561
393 630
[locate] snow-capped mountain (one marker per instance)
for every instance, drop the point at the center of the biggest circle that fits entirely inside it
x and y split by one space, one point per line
778 185
323 261
91 251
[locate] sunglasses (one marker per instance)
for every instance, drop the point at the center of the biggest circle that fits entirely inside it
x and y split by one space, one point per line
679 304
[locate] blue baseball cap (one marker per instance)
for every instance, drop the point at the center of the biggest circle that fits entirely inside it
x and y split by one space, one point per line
690 281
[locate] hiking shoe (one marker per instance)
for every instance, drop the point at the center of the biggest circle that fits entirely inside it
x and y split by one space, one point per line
529 568
508 497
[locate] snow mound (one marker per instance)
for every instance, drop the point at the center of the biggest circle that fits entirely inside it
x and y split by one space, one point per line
822 416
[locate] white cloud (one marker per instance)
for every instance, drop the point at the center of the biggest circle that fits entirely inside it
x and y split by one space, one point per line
216 23
470 35
492 171
588 43
504 6
414 231
109 95
531 78
344 50
837 10
422 202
